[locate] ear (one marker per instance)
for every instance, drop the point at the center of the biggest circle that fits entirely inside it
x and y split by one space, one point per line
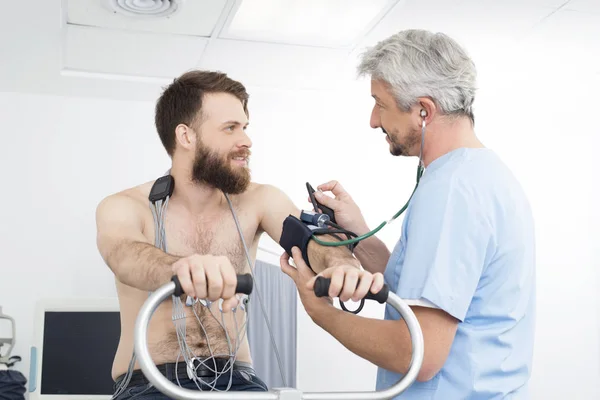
186 137
425 107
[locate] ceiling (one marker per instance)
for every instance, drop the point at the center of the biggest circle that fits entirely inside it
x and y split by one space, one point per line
86 48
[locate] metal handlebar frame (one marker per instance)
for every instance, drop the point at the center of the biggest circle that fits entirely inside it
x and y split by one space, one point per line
170 389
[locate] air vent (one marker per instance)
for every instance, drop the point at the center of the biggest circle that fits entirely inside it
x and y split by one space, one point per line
145 8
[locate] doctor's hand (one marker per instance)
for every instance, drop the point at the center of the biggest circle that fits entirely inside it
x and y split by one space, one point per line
347 281
347 213
302 275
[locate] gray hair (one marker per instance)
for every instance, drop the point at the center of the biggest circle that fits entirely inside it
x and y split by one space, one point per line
418 63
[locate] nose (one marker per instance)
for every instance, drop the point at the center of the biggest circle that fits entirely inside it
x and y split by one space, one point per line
245 141
374 122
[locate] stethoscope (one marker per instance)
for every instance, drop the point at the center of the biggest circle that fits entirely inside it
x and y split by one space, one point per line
420 170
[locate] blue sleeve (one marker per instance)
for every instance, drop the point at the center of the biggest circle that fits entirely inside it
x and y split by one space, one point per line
446 240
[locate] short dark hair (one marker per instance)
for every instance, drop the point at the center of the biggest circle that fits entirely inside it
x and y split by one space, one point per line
181 101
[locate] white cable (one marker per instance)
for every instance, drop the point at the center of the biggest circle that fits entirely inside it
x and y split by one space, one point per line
237 224
159 210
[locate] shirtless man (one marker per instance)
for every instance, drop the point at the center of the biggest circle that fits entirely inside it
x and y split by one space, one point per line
201 119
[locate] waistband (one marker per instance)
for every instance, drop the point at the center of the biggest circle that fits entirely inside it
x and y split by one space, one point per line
204 369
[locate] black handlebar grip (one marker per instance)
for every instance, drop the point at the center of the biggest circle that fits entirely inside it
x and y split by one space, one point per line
322 290
178 292
244 284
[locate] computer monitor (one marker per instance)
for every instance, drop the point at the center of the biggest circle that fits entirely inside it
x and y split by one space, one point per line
74 345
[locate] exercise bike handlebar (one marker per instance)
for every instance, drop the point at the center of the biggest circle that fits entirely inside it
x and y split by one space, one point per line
244 285
173 288
321 289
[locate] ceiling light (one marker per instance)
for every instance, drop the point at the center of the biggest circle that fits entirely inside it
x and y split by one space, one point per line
328 23
145 8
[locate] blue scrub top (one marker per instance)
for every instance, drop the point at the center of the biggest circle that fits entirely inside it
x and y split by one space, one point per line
468 248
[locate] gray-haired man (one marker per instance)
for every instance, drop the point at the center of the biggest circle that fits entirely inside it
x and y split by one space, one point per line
465 261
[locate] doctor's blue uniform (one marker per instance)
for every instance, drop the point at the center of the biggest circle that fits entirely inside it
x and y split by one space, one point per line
468 247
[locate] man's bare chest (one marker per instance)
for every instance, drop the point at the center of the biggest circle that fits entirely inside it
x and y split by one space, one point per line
214 234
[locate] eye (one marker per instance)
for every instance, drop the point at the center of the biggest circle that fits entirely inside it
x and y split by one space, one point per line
230 128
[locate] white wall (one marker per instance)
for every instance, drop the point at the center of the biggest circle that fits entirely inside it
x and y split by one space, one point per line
60 156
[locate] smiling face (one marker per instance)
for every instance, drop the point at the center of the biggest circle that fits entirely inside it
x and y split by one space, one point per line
222 151
398 125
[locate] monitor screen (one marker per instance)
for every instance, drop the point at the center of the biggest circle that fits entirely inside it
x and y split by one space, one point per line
78 352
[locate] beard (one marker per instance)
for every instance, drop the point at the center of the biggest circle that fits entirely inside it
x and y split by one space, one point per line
212 169
402 146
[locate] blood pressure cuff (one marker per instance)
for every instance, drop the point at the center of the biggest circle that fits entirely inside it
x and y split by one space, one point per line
296 233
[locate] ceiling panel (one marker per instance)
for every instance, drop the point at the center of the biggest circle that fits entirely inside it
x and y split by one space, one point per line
587 6
277 65
487 29
325 23
548 3
123 52
469 21
567 40
195 17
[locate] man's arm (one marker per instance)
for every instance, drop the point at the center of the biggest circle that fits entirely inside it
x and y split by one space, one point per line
372 252
387 343
277 206
123 246
443 258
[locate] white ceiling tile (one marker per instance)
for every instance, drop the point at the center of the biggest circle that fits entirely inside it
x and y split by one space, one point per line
469 21
571 28
195 17
276 65
548 3
325 23
561 47
568 40
123 52
587 6
487 29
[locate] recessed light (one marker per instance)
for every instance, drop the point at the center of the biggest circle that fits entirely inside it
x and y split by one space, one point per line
327 23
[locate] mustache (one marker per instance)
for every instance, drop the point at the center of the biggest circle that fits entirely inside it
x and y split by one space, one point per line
242 153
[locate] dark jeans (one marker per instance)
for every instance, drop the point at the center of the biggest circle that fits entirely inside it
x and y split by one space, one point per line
243 378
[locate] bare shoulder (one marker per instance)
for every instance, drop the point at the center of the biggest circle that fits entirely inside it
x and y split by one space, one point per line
265 195
272 203
265 191
121 217
132 202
